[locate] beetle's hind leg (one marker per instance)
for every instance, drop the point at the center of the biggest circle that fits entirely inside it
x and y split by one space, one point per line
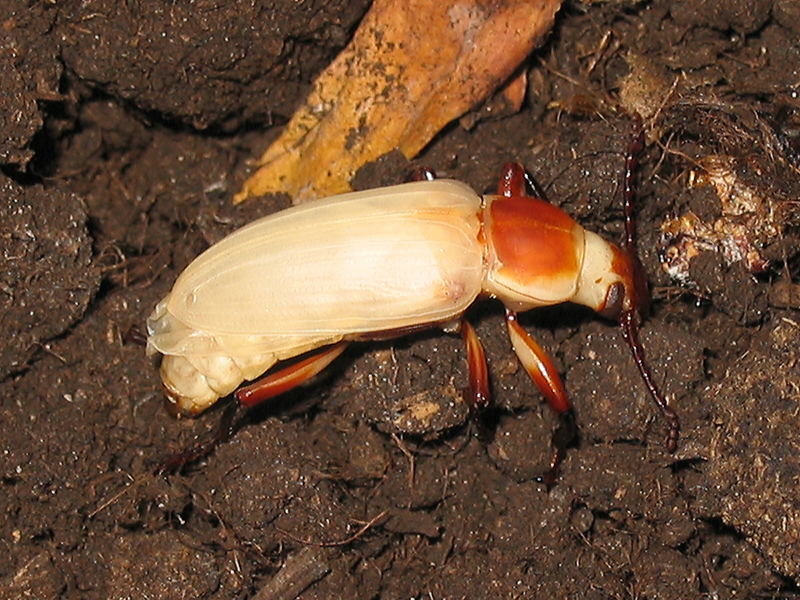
290 377
541 369
268 387
225 429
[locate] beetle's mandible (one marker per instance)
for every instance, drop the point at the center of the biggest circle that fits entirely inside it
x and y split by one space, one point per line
382 263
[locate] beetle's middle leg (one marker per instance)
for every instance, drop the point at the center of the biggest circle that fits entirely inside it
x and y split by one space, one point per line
289 377
541 369
479 394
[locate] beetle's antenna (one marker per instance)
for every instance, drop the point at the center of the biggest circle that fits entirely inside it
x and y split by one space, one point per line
629 187
537 190
629 320
630 329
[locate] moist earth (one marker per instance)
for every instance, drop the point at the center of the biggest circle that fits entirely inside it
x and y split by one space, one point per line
127 128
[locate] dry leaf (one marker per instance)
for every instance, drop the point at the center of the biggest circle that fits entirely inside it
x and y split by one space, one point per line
411 68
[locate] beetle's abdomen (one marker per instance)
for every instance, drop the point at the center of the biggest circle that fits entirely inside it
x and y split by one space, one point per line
384 259
200 368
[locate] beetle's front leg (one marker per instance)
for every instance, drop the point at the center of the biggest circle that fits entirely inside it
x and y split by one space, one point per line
541 369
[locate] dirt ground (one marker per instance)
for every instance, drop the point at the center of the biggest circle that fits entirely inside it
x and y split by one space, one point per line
127 127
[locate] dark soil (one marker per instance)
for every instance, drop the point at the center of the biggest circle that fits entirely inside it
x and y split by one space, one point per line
127 127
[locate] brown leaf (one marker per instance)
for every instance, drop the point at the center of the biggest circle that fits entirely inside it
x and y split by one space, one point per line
411 68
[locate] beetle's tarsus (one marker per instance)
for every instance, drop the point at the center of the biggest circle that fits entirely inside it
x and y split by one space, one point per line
564 437
485 422
566 433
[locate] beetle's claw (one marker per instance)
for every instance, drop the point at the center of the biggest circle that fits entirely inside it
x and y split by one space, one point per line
485 421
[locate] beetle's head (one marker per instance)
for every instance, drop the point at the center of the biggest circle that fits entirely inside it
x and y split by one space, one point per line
611 280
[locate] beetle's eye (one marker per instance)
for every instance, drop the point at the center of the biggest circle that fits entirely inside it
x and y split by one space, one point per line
612 306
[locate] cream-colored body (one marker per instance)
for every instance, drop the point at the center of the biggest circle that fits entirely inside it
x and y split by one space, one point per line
312 275
347 267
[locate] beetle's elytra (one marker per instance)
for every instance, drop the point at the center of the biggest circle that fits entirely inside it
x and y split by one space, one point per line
379 263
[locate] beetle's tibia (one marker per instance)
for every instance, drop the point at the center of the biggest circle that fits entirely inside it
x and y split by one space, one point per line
538 364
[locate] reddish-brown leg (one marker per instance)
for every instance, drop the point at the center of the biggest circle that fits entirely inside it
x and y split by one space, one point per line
479 394
538 364
516 181
289 377
225 429
540 367
512 181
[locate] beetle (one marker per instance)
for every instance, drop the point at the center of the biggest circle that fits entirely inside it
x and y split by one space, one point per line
382 263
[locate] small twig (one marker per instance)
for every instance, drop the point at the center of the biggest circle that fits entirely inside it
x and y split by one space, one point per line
412 465
51 352
667 98
663 156
597 53
369 524
113 498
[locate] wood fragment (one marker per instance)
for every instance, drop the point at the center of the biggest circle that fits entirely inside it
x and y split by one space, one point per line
300 570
